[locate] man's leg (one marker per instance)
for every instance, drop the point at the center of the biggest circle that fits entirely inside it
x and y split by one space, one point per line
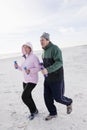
58 93
49 101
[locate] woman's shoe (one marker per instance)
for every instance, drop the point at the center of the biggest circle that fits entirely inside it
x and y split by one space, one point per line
32 116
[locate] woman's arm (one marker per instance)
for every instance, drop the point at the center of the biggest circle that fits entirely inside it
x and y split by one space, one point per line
36 67
19 68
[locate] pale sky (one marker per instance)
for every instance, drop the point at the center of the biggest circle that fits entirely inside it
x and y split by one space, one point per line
26 20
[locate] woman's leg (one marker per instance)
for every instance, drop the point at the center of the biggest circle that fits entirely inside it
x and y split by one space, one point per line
27 97
24 85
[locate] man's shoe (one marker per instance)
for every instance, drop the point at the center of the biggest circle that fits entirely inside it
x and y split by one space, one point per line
69 108
49 117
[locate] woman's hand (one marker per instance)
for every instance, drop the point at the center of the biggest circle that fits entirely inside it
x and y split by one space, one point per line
27 71
16 66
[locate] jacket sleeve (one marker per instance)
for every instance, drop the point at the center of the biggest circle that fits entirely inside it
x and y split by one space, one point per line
57 57
36 67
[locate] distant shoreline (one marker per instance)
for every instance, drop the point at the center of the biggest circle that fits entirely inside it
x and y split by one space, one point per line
14 55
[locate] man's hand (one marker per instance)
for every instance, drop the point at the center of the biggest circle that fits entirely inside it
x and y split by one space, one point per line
44 71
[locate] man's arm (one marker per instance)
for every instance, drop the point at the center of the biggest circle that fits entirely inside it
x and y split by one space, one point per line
57 57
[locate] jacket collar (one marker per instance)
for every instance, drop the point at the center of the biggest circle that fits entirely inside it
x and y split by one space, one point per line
48 46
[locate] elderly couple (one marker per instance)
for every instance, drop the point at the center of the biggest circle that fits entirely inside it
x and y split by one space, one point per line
53 82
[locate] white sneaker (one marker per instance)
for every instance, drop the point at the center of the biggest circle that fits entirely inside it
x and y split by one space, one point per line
49 117
69 108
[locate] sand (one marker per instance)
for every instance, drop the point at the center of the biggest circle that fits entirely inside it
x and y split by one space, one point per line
14 114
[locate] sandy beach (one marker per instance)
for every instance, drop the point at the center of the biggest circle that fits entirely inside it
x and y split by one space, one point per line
14 114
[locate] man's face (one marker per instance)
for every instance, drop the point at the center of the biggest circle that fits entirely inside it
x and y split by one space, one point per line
44 42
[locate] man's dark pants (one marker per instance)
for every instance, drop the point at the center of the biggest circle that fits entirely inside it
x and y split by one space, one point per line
54 91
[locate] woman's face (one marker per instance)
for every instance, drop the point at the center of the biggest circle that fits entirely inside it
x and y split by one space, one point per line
27 49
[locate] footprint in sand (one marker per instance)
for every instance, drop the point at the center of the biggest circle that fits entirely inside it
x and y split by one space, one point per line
84 121
13 114
79 95
7 92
